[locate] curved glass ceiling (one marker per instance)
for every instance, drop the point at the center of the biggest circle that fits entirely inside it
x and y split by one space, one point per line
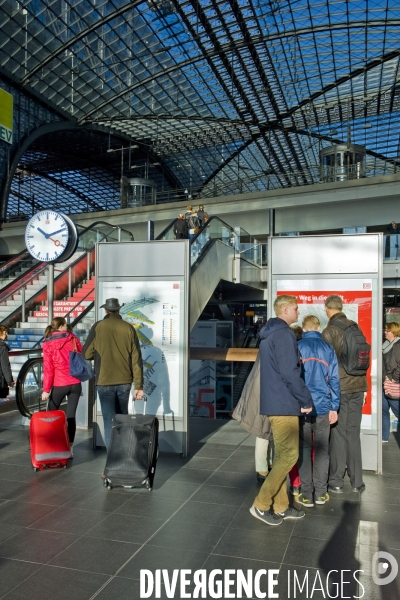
228 95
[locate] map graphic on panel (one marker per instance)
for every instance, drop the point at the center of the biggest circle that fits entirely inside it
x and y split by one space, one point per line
153 309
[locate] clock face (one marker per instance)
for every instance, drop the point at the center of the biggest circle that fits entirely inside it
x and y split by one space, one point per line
47 235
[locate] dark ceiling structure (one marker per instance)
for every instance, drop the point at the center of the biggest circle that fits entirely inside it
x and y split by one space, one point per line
205 97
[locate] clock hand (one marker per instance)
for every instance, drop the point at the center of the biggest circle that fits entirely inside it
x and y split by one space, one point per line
55 232
57 242
46 235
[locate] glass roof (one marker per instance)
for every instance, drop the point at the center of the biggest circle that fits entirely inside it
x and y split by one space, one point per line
226 96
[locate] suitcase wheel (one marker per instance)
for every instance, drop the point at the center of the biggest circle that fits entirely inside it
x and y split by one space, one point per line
109 487
65 466
36 469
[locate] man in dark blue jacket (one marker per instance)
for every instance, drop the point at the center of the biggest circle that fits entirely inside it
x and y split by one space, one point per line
284 396
321 375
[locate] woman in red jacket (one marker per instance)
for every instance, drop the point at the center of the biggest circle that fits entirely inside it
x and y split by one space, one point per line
57 382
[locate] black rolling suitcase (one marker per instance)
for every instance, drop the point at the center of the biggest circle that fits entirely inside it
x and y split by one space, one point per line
132 456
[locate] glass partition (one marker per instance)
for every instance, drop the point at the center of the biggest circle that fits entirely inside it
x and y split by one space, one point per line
391 247
244 244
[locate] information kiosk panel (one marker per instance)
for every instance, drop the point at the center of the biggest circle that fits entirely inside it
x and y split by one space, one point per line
313 267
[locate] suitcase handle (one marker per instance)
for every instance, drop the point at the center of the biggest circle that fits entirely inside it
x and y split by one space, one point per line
144 398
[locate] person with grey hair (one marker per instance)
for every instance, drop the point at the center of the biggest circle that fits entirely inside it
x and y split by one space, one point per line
345 443
114 346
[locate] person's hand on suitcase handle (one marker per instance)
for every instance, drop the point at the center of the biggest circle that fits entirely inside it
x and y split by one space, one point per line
45 395
139 395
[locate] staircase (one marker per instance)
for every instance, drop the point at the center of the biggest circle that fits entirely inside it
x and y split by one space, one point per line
31 288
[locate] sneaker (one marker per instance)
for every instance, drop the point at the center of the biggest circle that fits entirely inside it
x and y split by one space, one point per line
322 499
292 513
294 491
267 516
261 477
304 501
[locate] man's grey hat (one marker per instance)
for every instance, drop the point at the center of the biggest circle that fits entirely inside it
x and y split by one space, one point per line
111 304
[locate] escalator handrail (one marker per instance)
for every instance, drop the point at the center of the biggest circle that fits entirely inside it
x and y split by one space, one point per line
19 387
11 260
31 300
166 229
6 292
108 225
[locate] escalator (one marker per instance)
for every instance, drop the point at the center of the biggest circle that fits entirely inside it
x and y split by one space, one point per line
220 252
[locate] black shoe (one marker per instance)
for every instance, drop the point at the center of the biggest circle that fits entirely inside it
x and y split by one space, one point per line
335 490
360 488
267 516
261 477
292 513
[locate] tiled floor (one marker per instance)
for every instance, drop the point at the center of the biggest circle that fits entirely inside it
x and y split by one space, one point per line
63 536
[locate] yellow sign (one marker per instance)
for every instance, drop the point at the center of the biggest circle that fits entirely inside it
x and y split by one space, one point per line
6 117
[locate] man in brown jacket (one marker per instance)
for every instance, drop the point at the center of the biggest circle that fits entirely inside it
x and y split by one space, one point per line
345 443
114 345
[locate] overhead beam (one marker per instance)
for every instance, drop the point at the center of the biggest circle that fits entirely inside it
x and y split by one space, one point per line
210 54
80 36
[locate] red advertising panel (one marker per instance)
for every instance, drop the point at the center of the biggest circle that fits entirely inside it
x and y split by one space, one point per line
357 306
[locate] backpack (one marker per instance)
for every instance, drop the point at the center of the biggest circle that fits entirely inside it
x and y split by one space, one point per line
355 356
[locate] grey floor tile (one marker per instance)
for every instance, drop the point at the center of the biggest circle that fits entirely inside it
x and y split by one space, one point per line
183 535
27 475
54 494
98 499
60 584
234 480
207 514
266 544
239 466
15 572
202 462
24 514
126 528
175 489
20 459
6 470
150 505
221 495
321 554
74 479
11 489
35 545
191 475
121 588
7 531
156 557
219 452
95 556
69 520
319 527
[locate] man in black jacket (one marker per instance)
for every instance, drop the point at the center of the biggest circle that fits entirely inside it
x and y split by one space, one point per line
345 443
284 396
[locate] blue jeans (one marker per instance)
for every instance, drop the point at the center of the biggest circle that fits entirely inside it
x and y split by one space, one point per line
388 403
113 401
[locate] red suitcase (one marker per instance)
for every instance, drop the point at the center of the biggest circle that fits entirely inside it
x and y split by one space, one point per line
49 440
